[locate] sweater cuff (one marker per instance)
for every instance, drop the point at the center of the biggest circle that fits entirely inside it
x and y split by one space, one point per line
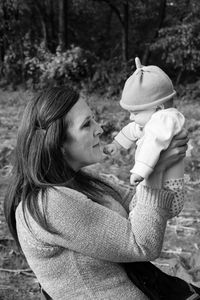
154 197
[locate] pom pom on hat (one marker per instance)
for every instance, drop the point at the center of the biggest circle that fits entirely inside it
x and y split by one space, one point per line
147 87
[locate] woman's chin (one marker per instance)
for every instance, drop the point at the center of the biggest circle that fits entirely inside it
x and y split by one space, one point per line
99 155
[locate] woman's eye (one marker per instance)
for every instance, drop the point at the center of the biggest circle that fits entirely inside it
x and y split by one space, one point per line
87 124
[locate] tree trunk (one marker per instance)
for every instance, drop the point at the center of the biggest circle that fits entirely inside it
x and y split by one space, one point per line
50 26
161 17
124 23
44 32
108 23
66 23
125 31
42 15
179 76
2 54
62 38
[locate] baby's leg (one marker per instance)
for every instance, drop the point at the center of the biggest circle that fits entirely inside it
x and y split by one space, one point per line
174 180
176 185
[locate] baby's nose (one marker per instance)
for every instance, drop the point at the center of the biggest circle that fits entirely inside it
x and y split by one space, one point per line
132 117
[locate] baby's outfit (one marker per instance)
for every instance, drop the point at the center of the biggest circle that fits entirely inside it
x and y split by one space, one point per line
151 140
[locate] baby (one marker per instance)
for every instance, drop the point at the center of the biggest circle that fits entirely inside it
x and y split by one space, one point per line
148 96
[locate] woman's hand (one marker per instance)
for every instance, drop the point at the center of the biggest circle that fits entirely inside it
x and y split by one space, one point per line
175 152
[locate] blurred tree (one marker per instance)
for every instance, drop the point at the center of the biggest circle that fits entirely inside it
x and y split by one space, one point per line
165 31
154 35
179 45
43 14
121 10
11 32
62 28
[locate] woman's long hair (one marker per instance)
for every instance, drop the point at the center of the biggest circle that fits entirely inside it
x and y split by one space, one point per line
39 161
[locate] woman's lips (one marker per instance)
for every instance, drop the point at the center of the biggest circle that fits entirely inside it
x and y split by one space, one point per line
96 145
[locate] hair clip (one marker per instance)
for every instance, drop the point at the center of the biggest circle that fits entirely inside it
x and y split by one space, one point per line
40 129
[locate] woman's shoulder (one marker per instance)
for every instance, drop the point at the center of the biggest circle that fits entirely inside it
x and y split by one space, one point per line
60 192
54 196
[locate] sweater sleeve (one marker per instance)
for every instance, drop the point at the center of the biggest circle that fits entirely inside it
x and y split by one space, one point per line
158 133
94 230
128 135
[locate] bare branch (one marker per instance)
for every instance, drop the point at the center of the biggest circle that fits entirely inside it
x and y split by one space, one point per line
27 272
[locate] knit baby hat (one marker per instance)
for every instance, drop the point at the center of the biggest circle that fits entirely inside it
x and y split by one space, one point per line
147 87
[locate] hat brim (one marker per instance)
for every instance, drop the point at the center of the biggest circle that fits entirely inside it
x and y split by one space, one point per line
148 105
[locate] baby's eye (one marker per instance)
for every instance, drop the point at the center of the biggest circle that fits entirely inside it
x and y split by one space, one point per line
134 114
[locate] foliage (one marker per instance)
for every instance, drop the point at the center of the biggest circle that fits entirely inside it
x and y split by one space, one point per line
12 66
110 75
30 37
40 67
190 92
180 46
73 65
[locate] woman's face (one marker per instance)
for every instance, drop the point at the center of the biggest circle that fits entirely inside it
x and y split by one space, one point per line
82 147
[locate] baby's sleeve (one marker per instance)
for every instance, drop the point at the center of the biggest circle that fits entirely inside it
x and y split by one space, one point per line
128 135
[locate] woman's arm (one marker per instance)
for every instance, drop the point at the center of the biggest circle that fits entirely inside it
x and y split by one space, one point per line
174 153
93 230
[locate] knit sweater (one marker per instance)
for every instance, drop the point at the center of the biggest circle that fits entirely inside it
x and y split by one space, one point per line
82 261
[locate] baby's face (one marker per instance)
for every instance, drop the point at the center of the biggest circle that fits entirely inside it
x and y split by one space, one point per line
141 117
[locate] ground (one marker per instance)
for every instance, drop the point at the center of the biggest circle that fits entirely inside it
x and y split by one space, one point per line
180 255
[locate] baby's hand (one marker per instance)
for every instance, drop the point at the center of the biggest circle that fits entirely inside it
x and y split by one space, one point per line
110 149
135 179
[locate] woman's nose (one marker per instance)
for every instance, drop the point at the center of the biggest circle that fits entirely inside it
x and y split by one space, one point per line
98 130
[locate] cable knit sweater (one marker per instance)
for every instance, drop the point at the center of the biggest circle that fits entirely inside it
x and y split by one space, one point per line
82 262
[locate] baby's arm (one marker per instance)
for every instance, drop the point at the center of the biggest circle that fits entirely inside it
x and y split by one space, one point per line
135 179
124 139
112 149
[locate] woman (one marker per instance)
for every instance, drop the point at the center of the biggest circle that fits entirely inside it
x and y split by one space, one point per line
74 227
